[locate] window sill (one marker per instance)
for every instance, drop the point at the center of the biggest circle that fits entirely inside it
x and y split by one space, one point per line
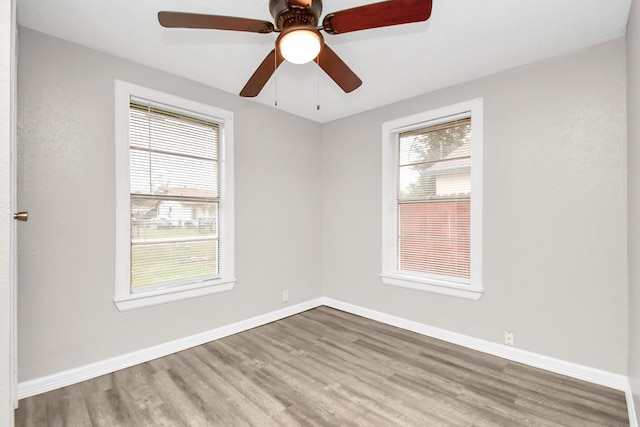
133 301
437 287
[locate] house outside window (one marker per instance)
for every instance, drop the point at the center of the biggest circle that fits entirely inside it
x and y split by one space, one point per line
432 201
174 195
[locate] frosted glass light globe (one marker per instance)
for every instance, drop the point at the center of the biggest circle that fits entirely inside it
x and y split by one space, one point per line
300 46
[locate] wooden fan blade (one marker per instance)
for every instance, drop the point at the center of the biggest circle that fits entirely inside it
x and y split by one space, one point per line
213 22
383 14
262 74
335 67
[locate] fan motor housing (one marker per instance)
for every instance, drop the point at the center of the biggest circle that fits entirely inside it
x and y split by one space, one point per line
286 15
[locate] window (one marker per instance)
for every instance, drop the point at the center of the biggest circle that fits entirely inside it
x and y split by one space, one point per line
432 201
174 198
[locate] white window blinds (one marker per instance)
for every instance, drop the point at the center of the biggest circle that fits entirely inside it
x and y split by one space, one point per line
174 183
434 200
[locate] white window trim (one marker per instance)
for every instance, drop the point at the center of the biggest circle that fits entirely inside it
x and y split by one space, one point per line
124 298
390 131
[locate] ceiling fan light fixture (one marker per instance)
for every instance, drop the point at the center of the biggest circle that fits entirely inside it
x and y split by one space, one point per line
300 46
300 40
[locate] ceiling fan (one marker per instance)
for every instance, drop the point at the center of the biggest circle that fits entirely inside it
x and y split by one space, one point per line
300 40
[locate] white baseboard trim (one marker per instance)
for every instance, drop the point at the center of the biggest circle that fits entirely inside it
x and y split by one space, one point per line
633 419
93 370
596 376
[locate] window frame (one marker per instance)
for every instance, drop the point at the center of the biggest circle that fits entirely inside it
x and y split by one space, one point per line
390 274
125 298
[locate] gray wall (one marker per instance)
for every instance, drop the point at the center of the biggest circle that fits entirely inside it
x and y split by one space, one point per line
633 102
6 30
66 181
308 211
554 210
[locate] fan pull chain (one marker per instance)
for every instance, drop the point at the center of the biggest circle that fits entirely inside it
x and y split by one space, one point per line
275 79
318 83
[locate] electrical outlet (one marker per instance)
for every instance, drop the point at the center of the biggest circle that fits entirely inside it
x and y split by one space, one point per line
509 338
285 296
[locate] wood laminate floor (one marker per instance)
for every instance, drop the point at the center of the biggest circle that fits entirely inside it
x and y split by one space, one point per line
325 367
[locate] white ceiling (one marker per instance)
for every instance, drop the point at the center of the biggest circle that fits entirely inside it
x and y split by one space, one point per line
463 40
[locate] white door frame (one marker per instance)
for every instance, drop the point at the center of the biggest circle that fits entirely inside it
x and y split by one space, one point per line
13 387
8 73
